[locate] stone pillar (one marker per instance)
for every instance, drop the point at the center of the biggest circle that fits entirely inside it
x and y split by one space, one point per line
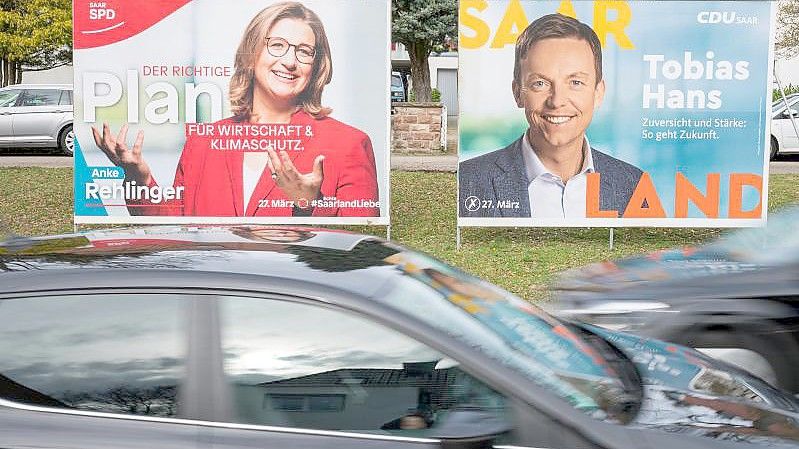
416 128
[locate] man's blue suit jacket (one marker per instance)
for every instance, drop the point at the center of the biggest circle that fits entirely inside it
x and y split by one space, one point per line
500 176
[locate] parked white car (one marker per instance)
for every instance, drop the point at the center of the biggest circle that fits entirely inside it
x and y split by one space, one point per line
783 135
37 115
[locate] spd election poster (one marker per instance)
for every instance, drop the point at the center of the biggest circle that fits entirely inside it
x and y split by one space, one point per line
212 111
624 113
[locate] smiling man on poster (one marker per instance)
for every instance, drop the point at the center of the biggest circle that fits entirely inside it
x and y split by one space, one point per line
557 80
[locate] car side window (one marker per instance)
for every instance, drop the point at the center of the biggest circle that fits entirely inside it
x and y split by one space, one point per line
41 97
66 98
8 98
106 353
304 366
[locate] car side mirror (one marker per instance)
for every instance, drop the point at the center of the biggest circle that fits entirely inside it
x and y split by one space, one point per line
470 429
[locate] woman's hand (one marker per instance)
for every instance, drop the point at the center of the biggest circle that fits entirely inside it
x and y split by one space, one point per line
130 159
300 188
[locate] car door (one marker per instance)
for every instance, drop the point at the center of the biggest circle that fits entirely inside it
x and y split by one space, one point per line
790 141
8 102
37 117
304 375
94 371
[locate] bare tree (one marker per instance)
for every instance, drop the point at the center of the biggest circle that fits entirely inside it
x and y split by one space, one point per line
158 400
787 28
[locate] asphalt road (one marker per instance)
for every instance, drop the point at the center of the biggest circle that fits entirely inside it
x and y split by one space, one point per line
448 163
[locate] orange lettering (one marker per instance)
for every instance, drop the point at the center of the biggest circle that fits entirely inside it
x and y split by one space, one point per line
685 191
592 199
644 193
737 183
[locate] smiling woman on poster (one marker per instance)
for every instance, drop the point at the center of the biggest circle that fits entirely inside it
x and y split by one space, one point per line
281 67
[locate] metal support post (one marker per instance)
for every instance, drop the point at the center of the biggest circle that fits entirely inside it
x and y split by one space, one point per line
610 239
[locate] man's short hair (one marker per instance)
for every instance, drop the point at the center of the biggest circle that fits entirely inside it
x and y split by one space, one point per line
556 26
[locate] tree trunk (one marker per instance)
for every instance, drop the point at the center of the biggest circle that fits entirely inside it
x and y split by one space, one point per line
420 70
4 72
11 73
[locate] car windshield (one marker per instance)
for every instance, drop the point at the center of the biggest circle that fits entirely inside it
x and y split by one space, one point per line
779 105
512 332
396 81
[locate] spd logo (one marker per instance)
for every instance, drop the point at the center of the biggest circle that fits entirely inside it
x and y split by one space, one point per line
100 11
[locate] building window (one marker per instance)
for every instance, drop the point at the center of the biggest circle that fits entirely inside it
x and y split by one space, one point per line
305 402
286 402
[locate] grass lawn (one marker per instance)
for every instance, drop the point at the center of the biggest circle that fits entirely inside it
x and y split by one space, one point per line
38 201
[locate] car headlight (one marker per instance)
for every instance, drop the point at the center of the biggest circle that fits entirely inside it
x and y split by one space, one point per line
627 316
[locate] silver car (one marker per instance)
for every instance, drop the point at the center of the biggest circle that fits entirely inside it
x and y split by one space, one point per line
37 115
784 139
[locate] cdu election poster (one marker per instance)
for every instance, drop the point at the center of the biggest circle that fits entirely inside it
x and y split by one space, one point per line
614 113
200 111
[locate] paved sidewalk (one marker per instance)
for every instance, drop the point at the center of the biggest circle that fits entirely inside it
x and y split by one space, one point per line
784 166
45 161
441 163
444 163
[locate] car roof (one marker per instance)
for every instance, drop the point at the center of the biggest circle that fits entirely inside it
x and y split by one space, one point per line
330 258
38 86
787 97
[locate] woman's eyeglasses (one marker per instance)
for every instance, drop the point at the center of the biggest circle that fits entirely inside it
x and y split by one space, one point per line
278 47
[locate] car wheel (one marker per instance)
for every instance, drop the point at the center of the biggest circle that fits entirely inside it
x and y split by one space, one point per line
763 349
66 141
774 149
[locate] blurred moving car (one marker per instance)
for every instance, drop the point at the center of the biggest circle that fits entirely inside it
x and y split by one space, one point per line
736 298
37 115
295 337
784 139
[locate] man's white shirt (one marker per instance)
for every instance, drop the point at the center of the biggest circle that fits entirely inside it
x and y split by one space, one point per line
549 196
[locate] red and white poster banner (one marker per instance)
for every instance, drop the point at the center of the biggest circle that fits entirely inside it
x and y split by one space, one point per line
211 111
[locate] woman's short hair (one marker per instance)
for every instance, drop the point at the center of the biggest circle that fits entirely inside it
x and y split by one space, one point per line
253 42
556 26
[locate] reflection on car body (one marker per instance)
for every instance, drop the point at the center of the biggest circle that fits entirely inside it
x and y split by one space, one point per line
293 337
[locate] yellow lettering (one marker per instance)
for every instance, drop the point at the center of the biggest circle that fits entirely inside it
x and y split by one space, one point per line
603 27
513 23
567 9
481 30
